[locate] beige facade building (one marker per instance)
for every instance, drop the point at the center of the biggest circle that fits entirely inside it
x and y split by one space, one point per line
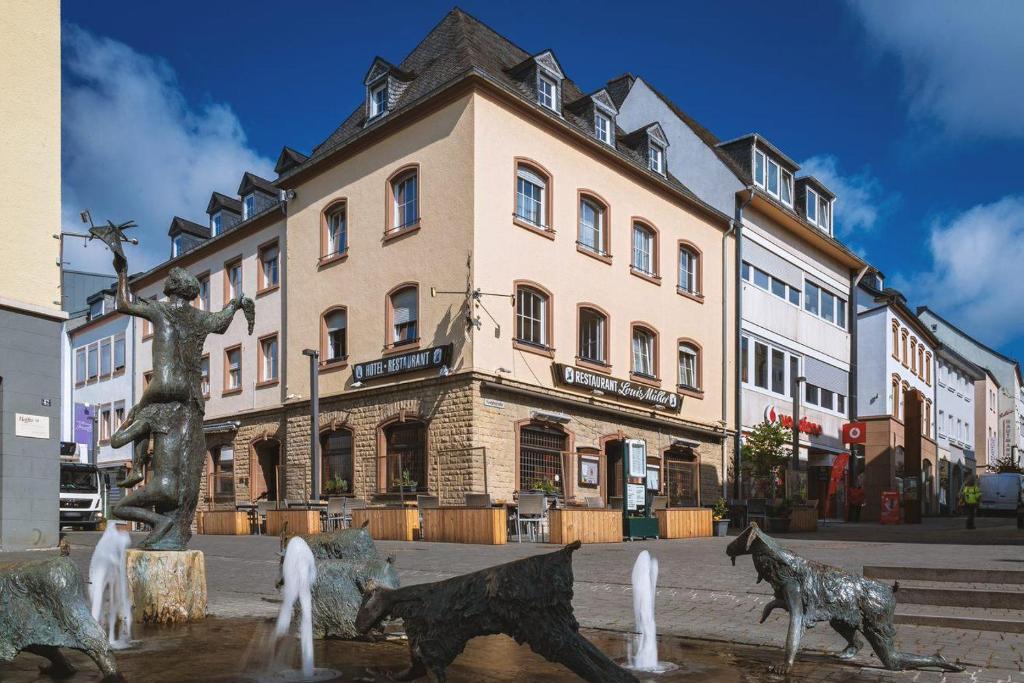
986 422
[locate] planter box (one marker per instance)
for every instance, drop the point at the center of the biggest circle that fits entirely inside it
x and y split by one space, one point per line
300 522
486 526
584 525
804 519
684 522
721 527
223 523
388 524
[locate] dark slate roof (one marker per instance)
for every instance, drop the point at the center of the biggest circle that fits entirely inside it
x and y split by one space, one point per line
388 68
288 159
251 181
461 44
182 225
818 185
619 87
1013 361
222 201
757 138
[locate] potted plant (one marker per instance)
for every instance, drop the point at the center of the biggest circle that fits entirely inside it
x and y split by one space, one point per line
779 513
406 483
545 486
335 486
719 514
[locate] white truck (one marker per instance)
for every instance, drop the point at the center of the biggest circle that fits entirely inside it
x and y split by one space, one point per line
81 495
1000 492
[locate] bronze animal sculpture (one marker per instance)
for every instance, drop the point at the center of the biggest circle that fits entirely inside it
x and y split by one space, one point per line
43 609
529 600
813 592
171 408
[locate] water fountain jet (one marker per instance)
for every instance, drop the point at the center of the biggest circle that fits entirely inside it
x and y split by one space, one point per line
643 655
108 577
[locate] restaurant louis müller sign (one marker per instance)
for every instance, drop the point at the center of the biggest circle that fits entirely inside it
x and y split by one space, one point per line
401 363
634 391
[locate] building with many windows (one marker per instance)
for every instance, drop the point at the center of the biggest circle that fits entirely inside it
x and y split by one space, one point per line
957 424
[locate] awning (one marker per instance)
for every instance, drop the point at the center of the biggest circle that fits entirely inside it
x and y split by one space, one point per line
225 427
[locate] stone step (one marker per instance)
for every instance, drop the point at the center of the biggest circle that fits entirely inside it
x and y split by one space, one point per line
961 623
945 575
946 597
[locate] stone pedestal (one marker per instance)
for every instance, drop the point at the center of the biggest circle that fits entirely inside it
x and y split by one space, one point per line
167 587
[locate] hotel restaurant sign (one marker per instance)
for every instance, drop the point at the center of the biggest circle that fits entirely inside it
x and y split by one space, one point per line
572 376
401 363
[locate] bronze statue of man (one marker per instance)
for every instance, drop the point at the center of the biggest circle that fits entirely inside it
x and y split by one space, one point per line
171 408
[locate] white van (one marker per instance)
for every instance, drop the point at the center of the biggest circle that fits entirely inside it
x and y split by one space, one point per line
1000 492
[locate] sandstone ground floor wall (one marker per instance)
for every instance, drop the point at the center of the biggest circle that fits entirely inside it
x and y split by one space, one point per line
883 450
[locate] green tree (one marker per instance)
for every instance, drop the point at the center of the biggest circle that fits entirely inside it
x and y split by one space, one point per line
1006 464
765 454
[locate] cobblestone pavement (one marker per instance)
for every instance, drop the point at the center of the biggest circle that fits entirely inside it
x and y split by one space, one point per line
701 595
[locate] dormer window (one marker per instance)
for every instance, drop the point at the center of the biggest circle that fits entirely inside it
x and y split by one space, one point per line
812 206
547 92
823 214
215 224
773 178
248 206
787 188
602 128
656 158
179 244
379 100
759 163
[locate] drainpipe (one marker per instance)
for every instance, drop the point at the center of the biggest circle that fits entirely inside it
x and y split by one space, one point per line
725 358
852 376
737 342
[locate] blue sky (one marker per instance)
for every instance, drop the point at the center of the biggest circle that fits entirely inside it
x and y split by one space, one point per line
912 112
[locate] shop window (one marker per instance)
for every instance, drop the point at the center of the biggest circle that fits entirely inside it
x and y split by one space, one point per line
593 340
403 315
221 474
541 450
337 468
406 457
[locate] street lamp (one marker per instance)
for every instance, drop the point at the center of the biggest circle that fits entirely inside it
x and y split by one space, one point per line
314 421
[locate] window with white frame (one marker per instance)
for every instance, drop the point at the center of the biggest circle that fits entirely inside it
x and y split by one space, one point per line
379 99
547 92
215 224
233 374
204 375
105 348
203 300
268 354
772 184
656 158
824 304
532 323
269 262
248 206
770 283
234 279
787 188
337 231
688 264
826 399
602 128
812 206
119 352
688 366
592 228
80 366
406 200
94 359
593 327
759 164
643 352
824 218
335 335
531 196
95 309
643 249
404 316
772 368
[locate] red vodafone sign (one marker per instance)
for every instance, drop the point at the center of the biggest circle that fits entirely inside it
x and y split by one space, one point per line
805 426
855 432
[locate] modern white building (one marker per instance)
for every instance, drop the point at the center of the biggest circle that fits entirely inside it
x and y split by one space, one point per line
956 423
1005 371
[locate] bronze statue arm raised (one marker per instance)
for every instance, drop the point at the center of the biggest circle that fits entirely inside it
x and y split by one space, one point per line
218 323
113 236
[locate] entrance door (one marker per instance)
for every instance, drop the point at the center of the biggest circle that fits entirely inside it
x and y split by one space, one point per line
266 474
613 451
681 482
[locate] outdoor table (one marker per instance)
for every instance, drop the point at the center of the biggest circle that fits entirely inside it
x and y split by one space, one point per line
224 522
684 522
588 525
388 523
454 524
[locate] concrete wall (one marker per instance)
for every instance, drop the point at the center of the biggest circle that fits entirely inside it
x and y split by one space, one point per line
29 467
688 157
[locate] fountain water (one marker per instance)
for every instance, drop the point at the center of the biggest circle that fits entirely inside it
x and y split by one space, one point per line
108 575
643 655
299 572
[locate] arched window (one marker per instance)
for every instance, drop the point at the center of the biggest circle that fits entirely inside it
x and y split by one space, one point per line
337 468
334 230
593 225
593 335
334 337
895 340
913 355
903 340
645 250
403 316
689 366
405 455
896 397
541 449
645 352
404 205
533 205
533 317
928 368
689 269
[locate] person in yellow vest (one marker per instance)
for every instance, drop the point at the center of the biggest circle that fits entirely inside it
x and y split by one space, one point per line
970 496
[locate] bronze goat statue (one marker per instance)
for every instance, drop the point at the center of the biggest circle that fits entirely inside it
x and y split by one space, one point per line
813 592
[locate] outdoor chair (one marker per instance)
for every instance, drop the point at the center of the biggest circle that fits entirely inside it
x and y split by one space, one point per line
262 506
757 511
335 513
478 500
660 503
350 505
533 512
595 502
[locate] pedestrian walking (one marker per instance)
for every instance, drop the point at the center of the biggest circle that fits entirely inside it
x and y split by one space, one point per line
970 495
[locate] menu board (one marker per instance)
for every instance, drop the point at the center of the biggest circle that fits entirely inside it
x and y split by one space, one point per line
636 451
635 496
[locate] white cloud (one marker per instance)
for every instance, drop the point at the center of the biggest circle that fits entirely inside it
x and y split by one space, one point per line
962 62
974 279
861 200
134 148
